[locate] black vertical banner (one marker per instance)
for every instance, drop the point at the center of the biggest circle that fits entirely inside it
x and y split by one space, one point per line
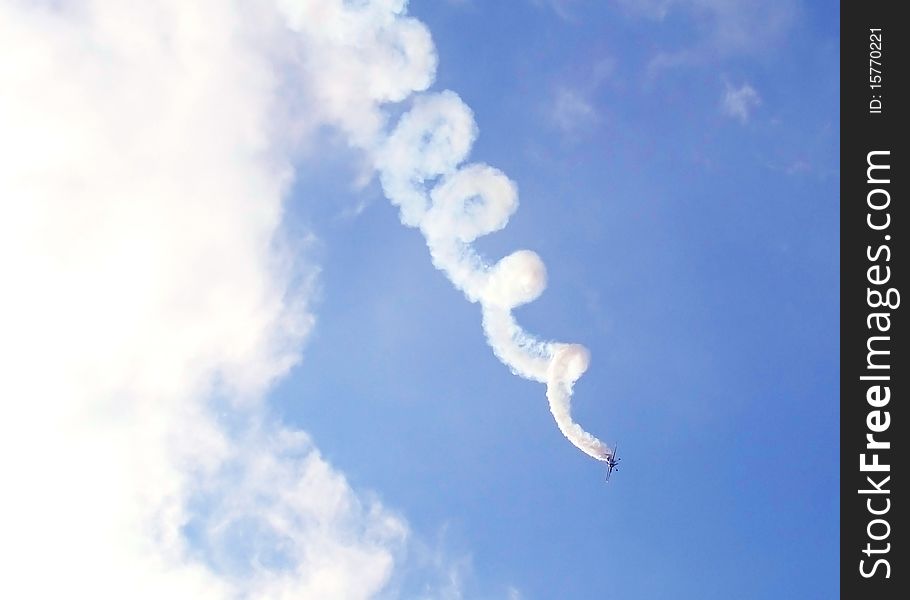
875 375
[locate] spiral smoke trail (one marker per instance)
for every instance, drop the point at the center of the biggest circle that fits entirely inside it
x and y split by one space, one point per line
453 204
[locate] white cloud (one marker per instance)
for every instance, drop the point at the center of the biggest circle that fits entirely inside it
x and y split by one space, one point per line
150 300
739 102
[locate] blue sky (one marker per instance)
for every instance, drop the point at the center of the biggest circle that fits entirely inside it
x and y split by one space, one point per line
231 372
690 245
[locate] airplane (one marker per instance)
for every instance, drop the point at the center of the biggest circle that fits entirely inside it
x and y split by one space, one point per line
612 462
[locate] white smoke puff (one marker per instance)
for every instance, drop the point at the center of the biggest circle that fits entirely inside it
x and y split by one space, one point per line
430 140
525 355
354 56
570 361
473 202
476 200
517 279
568 364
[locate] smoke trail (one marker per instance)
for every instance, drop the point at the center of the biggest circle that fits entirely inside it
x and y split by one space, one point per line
453 204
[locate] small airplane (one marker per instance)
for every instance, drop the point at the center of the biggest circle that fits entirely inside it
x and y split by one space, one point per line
612 462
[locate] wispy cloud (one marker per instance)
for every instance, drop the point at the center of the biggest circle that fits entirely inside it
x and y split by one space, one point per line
564 9
721 29
571 110
739 102
572 107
